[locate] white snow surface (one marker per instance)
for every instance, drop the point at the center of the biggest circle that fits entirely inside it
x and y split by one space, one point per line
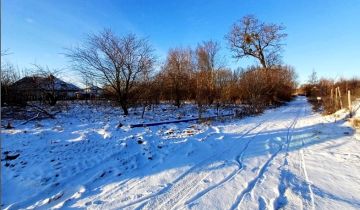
286 158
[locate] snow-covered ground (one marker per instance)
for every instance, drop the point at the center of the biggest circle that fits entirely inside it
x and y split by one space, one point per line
287 158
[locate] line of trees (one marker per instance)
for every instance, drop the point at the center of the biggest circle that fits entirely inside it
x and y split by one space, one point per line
323 93
124 66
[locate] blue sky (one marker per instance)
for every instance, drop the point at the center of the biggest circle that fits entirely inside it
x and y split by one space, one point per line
323 35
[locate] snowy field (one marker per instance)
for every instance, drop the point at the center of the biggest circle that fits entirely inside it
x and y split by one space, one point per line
286 158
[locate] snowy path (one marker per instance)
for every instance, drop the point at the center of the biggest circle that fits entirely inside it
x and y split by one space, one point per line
287 158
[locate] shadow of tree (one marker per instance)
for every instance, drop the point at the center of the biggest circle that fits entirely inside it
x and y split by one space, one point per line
212 151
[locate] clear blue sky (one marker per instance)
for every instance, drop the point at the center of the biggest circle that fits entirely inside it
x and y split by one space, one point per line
323 35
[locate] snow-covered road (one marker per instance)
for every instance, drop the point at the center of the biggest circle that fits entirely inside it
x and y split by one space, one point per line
287 158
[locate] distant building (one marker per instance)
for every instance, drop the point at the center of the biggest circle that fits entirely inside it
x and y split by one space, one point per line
92 92
37 88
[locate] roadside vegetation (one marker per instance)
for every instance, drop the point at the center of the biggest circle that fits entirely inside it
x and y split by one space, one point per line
329 95
130 75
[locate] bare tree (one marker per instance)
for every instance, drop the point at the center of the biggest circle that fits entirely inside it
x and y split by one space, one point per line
9 75
176 73
45 80
250 37
114 61
313 78
145 91
208 62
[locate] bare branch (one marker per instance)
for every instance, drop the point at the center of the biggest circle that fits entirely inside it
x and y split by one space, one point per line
115 62
250 37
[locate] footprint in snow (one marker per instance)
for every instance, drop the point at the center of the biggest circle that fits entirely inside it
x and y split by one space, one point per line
125 199
98 202
207 181
254 169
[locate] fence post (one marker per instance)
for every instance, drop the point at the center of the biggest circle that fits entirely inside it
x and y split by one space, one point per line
349 102
341 105
332 94
336 99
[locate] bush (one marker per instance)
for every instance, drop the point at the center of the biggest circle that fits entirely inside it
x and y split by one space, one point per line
261 87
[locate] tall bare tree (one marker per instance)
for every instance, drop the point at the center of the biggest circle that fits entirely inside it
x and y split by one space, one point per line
177 72
208 62
117 62
251 37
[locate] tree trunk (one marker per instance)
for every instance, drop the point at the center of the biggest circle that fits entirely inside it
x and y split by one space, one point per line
200 110
124 108
143 111
177 102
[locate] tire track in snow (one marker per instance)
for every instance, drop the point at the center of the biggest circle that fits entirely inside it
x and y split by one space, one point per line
232 175
123 187
238 160
303 166
178 184
197 167
167 186
307 180
251 185
129 186
285 174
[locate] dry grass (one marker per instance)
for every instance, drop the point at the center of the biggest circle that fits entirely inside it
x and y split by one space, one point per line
355 122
